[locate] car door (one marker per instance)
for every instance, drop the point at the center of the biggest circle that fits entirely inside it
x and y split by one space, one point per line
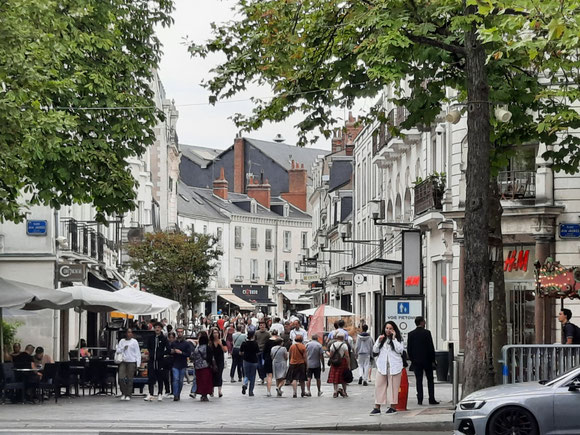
567 409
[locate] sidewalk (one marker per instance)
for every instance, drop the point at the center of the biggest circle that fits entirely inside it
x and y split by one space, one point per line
234 411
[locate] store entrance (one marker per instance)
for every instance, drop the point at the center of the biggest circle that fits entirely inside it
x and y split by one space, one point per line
520 300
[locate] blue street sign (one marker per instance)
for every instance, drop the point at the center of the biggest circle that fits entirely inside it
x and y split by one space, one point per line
403 308
569 231
36 228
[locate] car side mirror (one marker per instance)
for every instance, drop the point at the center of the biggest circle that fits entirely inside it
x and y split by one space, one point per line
574 385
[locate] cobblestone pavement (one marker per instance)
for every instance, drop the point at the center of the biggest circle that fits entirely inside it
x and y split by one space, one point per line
233 411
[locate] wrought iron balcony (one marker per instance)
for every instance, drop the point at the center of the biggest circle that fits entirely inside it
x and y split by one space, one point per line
427 197
517 185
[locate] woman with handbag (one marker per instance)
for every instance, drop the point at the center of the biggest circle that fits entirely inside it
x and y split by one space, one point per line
339 364
128 355
202 357
389 347
218 347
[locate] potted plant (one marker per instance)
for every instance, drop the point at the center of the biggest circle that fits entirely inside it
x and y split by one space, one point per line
437 182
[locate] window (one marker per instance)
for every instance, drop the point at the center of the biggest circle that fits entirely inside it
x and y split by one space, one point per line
238 269
304 240
268 240
238 237
287 241
219 236
253 238
170 184
287 270
205 229
269 272
253 270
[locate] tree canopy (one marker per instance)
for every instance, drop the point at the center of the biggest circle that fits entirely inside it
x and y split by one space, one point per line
75 100
320 54
175 265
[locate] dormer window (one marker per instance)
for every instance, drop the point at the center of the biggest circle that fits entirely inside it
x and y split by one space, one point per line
286 210
254 207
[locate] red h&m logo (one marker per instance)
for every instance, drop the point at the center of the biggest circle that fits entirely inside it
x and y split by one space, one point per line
516 260
412 281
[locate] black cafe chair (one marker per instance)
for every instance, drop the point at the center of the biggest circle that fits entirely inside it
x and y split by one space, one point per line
100 379
66 378
49 382
9 384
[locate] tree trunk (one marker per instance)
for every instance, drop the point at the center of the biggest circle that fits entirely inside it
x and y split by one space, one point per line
477 342
498 304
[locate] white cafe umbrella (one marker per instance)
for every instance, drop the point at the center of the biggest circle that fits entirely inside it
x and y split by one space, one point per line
16 294
101 301
158 303
328 312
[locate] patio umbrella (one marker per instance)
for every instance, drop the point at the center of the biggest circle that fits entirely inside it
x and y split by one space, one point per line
328 312
158 303
101 301
16 294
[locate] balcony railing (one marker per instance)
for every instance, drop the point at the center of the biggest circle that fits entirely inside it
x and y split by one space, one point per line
427 197
395 117
517 184
84 240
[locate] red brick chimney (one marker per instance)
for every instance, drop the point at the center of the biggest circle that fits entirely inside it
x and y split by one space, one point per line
259 190
344 138
220 186
239 167
296 194
337 140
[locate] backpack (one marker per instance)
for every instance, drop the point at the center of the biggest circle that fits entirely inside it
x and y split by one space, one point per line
336 360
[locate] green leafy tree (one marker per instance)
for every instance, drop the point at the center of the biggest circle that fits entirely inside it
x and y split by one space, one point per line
176 265
317 55
61 63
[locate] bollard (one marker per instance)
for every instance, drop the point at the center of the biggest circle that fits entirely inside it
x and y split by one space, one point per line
455 383
403 391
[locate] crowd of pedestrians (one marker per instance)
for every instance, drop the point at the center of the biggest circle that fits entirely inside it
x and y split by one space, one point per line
278 354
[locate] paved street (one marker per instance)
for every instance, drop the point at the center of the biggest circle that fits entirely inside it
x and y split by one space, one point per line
233 412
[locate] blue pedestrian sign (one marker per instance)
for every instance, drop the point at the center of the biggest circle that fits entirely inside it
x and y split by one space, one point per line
569 231
36 227
403 308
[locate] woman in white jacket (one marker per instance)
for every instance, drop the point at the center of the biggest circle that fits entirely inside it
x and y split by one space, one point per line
389 347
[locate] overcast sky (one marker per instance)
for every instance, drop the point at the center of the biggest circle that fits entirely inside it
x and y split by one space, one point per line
200 123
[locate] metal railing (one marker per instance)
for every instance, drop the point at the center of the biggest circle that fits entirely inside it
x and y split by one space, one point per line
427 197
537 362
517 184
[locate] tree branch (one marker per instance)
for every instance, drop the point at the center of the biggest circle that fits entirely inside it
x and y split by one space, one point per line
456 49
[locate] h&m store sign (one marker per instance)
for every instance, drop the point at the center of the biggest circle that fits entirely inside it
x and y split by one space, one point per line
518 261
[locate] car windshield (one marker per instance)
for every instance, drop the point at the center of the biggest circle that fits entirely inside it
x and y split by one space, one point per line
559 378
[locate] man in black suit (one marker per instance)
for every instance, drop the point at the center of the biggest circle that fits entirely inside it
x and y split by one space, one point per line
422 355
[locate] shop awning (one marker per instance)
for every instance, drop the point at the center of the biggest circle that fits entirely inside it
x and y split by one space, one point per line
263 302
96 280
237 301
378 266
295 297
158 303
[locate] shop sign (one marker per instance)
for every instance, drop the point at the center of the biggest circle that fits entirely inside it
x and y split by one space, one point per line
310 277
70 272
249 293
345 282
412 266
517 260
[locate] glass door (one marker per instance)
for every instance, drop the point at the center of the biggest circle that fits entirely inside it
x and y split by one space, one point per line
520 312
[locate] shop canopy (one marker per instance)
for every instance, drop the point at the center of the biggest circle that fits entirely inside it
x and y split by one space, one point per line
295 297
237 301
328 312
158 303
378 266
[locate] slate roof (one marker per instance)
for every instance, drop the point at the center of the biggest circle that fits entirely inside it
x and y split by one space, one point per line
340 174
283 154
203 203
202 156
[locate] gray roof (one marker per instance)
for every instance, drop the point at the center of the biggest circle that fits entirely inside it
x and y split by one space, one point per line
190 203
283 154
340 174
201 202
200 155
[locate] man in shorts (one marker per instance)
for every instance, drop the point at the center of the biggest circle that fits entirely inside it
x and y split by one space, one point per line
315 363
